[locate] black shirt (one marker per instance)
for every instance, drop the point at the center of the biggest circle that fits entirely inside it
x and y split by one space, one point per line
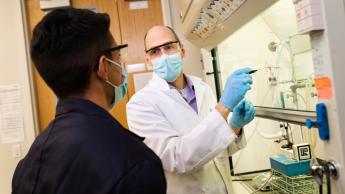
85 150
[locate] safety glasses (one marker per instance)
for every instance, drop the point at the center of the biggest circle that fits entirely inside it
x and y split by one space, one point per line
168 48
117 55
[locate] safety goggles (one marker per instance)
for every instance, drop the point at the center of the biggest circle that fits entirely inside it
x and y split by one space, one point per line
117 55
168 48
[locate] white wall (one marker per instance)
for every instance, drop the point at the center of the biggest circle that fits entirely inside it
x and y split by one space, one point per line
192 62
14 70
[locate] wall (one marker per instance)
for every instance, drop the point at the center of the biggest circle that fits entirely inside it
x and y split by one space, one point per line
14 70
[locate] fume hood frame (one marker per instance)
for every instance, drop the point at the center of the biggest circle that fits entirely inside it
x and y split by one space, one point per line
297 117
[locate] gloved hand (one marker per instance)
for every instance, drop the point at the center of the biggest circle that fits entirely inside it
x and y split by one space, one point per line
236 87
243 113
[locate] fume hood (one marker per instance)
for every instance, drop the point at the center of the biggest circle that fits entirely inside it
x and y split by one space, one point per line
294 44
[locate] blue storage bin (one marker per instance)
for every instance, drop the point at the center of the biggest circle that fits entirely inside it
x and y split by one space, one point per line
289 166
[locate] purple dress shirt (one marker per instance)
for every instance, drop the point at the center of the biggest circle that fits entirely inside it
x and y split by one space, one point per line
188 93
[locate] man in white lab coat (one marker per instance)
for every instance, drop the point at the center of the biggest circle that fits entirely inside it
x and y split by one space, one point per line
181 121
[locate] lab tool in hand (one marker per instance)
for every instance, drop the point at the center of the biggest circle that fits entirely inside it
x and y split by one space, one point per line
268 67
242 114
236 87
253 71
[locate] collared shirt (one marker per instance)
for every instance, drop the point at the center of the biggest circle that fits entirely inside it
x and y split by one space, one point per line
188 93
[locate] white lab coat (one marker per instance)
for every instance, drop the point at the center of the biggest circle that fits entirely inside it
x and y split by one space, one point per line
194 147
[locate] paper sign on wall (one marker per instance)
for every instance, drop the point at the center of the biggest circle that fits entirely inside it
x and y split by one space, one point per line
11 115
138 5
324 87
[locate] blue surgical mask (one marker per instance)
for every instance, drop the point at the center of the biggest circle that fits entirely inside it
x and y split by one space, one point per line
168 67
121 90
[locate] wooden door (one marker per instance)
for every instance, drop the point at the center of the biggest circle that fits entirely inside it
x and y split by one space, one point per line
134 25
127 26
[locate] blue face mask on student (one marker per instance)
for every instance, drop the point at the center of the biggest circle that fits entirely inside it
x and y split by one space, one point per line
168 67
121 90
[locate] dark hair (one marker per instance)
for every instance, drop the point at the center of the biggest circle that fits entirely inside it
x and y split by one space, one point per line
174 33
65 46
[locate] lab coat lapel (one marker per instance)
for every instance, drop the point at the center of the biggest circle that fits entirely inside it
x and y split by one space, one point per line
199 91
157 83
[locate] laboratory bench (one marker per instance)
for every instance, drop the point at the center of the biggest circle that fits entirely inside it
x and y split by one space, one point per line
244 184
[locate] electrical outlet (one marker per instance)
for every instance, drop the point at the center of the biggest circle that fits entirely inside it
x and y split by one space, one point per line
16 151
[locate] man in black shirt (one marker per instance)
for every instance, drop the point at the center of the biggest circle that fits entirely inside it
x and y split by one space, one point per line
84 149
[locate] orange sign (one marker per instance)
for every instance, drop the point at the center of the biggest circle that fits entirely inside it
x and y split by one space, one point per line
324 87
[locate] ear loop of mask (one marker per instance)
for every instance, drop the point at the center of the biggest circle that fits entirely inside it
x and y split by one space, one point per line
120 90
122 76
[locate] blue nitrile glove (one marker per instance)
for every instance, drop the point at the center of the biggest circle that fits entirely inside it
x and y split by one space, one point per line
236 87
243 113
